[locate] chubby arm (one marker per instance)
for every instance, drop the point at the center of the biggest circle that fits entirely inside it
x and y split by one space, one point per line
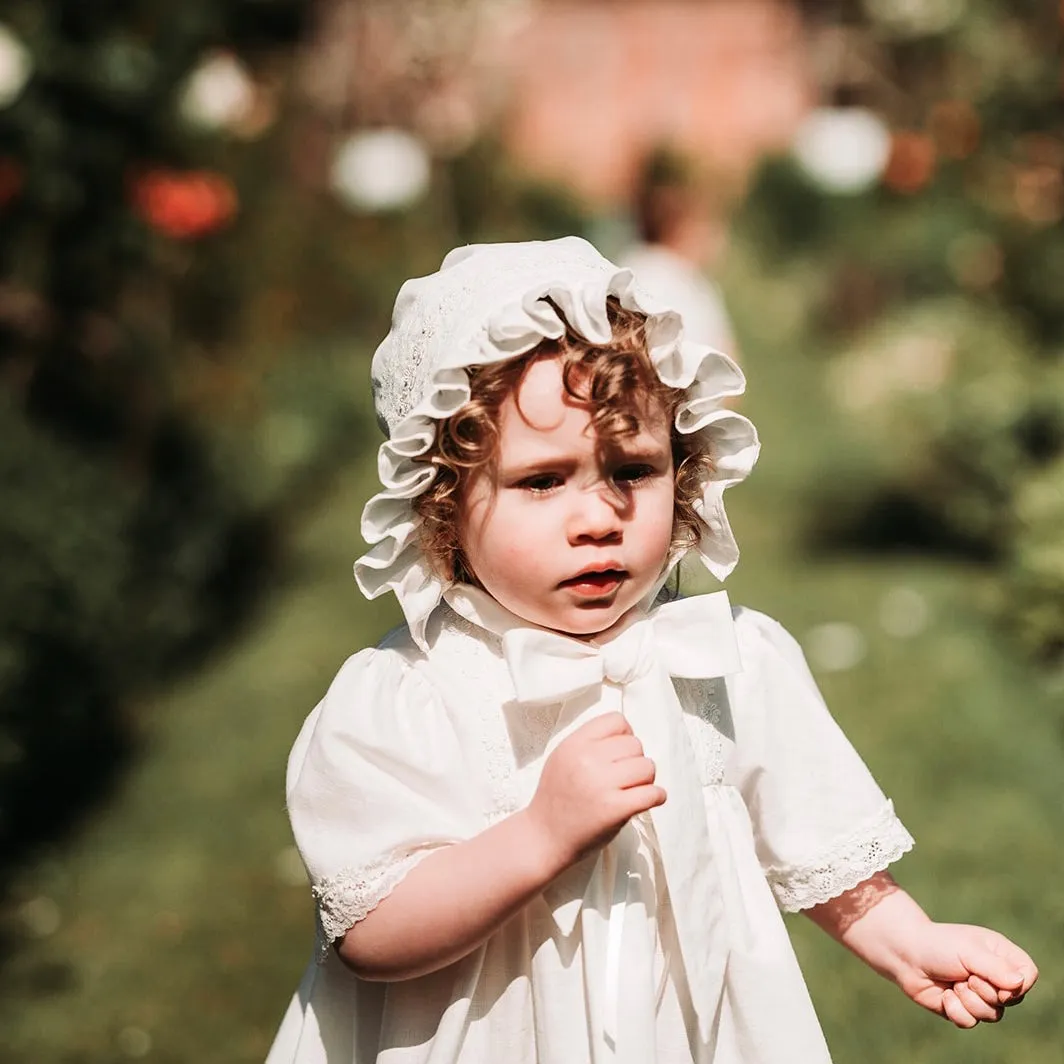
963 973
450 903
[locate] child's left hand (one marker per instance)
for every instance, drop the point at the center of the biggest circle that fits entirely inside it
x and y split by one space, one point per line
966 974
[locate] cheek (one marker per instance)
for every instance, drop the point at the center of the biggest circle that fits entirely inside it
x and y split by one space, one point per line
497 536
474 520
659 526
517 534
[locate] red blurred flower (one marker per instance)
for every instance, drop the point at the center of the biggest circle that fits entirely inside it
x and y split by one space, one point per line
186 205
912 162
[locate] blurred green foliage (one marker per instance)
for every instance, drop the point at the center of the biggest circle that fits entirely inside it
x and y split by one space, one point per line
938 297
125 543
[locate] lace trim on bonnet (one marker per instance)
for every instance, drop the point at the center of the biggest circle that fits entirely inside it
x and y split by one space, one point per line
485 304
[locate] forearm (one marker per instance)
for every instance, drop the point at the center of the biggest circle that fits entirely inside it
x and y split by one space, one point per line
877 921
452 902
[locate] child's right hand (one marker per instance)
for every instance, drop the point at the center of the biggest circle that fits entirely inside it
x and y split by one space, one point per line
592 784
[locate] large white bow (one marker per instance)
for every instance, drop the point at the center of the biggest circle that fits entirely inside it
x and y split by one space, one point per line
693 638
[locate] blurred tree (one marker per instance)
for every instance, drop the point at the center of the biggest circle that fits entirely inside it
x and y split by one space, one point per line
117 528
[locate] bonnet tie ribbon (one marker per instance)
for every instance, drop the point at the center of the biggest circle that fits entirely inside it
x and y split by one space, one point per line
692 638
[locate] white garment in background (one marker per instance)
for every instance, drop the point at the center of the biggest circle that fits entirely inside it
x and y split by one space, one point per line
679 284
417 748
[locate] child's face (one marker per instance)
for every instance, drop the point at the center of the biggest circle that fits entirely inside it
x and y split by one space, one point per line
560 534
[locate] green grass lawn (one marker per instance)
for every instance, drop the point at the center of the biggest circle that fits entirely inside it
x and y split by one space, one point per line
176 925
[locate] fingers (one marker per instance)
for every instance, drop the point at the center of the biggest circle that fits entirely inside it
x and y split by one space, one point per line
1018 959
1002 964
993 995
987 991
975 1006
1009 997
603 726
632 772
1028 970
640 799
620 747
997 970
955 1011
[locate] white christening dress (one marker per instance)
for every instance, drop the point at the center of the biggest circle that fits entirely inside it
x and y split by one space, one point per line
667 947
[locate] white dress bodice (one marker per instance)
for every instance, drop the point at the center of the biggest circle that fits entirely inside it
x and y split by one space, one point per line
412 750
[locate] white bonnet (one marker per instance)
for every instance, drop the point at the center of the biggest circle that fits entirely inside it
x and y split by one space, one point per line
487 303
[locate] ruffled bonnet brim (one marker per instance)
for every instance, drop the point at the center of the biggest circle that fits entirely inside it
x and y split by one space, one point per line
515 326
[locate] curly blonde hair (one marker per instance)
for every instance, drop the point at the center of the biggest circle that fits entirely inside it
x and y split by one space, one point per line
620 384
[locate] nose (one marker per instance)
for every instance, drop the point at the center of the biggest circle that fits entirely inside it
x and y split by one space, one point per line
596 516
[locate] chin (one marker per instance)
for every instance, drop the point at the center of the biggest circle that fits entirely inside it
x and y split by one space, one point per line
589 620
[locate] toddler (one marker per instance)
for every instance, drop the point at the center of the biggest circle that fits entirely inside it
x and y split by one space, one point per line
554 817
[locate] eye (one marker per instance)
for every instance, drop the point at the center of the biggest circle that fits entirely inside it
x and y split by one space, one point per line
541 483
633 474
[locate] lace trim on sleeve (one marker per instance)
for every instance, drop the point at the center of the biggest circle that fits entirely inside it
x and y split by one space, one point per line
352 894
878 842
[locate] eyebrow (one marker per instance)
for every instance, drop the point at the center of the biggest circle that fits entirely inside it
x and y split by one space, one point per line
536 466
651 454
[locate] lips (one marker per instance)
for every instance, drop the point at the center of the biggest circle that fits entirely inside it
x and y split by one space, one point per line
599 581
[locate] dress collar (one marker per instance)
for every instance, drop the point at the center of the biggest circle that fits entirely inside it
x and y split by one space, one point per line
478 607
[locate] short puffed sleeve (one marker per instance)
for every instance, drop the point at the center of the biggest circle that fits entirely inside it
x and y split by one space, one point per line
374 784
821 823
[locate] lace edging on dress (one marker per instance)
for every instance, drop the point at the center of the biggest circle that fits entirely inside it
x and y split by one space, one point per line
352 894
878 842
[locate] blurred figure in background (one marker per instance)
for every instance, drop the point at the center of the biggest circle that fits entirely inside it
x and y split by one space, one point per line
682 237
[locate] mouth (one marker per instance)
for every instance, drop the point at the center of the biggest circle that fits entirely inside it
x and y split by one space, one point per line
599 581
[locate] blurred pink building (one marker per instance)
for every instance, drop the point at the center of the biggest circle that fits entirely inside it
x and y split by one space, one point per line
596 83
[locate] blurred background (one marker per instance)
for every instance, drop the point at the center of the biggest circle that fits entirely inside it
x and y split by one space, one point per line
206 208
